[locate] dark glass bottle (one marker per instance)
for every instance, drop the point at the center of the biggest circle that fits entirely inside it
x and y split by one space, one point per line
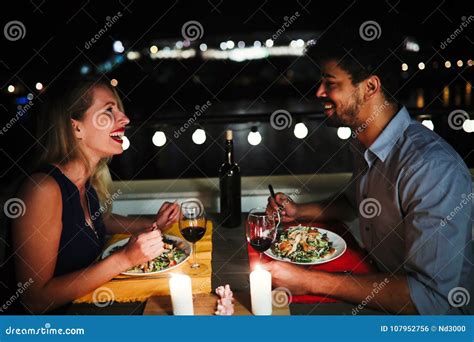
230 185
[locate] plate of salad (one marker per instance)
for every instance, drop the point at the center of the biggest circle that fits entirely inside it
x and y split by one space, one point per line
304 245
176 251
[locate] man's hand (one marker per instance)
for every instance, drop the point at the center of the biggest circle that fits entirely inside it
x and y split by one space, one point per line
292 277
284 205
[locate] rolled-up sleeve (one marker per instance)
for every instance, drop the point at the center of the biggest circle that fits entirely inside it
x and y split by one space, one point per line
436 199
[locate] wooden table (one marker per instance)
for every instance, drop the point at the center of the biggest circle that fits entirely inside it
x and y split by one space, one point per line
229 266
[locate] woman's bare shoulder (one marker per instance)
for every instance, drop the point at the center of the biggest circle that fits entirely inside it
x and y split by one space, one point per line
40 186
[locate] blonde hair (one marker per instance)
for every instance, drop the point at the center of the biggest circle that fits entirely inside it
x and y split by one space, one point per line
59 144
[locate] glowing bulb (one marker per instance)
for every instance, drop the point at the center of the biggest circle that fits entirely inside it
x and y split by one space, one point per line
11 88
118 46
269 43
39 86
241 44
299 43
125 143
230 44
428 123
199 136
203 47
159 138
113 82
223 45
257 44
153 49
404 67
447 64
254 138
344 133
301 131
459 63
421 65
468 126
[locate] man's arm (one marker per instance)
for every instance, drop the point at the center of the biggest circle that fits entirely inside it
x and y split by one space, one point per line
335 208
331 209
438 254
378 290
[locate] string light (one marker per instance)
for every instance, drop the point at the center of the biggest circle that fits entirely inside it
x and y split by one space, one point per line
199 136
159 138
254 138
301 131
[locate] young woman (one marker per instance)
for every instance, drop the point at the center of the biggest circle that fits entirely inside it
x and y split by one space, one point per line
56 243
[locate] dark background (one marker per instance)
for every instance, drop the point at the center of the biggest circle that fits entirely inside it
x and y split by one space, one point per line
162 94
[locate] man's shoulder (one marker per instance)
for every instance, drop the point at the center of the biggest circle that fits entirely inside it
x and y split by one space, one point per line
421 144
421 150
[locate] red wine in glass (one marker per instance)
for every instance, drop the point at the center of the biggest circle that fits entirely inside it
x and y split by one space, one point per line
193 234
261 229
260 244
192 224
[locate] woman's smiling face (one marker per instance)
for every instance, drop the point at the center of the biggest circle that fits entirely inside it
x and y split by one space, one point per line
103 125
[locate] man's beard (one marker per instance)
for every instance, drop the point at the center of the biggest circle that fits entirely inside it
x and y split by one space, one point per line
348 116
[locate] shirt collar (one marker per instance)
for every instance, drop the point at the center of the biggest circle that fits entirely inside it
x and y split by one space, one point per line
384 143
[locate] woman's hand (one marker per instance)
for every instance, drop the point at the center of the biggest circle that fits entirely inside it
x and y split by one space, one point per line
143 247
287 209
167 215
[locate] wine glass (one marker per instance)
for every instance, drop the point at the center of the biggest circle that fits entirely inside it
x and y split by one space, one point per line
262 229
192 225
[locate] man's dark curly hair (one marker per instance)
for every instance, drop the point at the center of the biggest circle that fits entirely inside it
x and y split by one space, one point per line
361 58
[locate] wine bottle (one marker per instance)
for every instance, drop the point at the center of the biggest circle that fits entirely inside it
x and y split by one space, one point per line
230 185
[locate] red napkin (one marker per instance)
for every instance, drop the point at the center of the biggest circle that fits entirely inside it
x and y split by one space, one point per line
354 259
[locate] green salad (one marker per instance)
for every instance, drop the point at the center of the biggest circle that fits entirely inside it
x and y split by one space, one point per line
171 256
302 244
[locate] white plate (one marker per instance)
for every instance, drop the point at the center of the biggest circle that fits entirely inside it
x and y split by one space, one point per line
184 245
338 244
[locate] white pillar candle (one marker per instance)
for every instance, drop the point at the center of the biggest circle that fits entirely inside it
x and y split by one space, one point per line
261 291
181 294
